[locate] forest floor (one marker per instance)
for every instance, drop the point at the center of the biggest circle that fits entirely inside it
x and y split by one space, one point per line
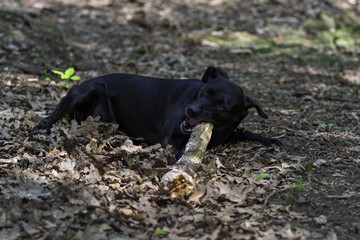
298 59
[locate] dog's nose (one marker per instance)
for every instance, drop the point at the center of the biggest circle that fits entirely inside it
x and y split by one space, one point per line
192 111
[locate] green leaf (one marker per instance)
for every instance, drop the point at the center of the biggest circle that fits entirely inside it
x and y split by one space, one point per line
160 232
62 75
58 72
75 78
69 72
322 125
47 79
263 175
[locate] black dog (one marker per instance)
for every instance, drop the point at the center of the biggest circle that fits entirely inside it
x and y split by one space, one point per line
162 110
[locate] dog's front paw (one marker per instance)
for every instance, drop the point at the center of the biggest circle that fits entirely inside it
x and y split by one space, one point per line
270 141
277 142
43 127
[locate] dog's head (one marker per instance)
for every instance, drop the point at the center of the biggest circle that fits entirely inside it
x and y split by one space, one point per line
219 101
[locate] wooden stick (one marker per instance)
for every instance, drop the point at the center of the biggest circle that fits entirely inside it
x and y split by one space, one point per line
179 181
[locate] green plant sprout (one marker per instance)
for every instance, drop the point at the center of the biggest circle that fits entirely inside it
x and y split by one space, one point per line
67 75
309 166
160 232
261 175
290 197
297 185
141 49
314 179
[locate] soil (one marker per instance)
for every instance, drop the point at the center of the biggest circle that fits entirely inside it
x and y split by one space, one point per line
298 59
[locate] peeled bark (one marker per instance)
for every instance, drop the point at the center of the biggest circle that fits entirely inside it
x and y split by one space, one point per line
180 181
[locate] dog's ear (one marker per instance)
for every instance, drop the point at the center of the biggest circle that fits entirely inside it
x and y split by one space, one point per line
213 72
250 103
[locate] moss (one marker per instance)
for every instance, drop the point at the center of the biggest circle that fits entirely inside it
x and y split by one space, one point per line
238 39
348 20
322 22
335 32
319 41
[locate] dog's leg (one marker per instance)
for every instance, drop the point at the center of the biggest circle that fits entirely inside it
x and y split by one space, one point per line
78 95
175 144
242 136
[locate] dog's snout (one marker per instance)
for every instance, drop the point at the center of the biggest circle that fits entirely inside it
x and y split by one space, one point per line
192 111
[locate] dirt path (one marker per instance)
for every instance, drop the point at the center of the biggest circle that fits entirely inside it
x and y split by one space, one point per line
300 59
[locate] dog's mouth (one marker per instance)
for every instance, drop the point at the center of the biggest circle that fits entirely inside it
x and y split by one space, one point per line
188 124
